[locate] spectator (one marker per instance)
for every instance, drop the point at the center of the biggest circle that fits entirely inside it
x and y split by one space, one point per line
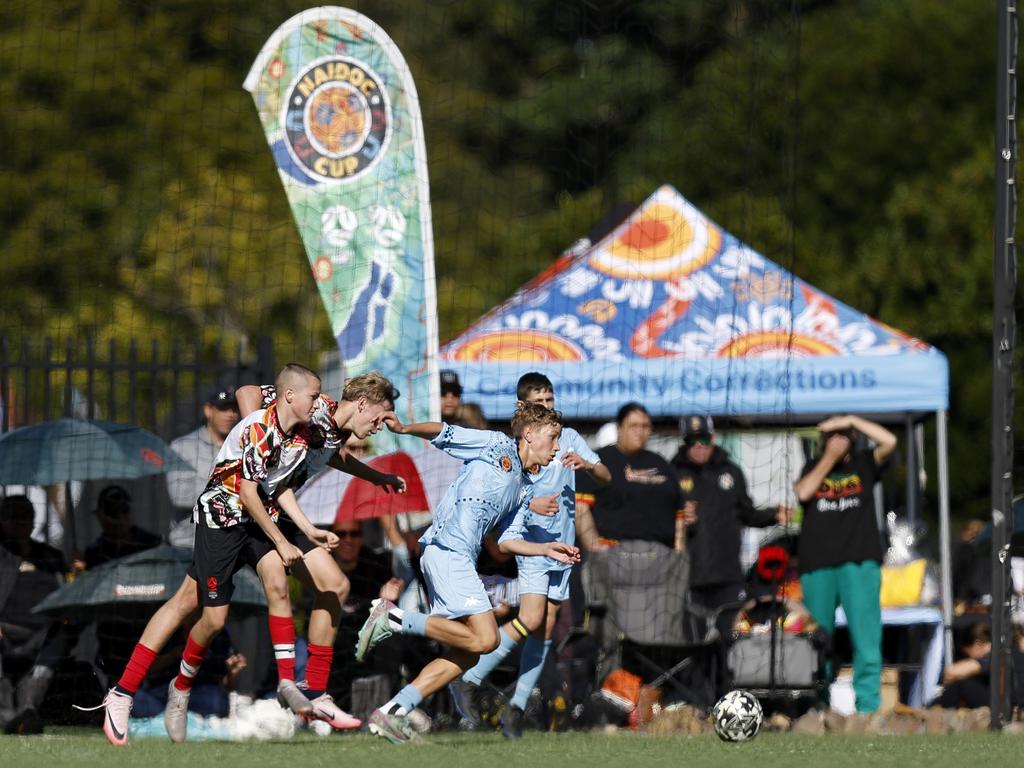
965 683
31 645
451 396
120 536
717 506
470 415
199 449
840 546
643 498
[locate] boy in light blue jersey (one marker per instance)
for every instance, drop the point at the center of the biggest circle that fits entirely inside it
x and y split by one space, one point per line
543 583
492 490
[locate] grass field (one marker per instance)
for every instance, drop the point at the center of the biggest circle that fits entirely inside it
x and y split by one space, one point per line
87 748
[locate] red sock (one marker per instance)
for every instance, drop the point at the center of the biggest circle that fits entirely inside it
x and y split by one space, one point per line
136 668
318 668
191 660
282 636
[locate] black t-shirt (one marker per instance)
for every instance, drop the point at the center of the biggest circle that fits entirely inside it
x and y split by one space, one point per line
839 521
641 500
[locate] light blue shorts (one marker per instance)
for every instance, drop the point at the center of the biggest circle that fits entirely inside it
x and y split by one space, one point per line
540 581
453 586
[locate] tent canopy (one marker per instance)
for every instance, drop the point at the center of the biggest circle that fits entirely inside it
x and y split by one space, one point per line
670 310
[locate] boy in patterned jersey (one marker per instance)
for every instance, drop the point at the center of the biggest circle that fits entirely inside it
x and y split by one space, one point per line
543 582
365 400
493 489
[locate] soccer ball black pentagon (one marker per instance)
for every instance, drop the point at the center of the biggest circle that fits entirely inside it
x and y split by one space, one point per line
737 716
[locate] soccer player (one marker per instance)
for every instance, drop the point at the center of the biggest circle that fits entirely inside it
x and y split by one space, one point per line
365 400
543 582
493 488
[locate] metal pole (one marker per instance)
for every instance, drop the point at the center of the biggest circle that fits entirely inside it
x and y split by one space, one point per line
911 467
1003 331
945 540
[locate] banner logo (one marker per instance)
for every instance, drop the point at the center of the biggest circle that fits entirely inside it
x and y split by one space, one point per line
336 119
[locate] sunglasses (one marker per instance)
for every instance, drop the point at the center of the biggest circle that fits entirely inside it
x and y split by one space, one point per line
698 441
349 534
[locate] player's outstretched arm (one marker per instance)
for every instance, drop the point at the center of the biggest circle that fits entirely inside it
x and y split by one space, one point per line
346 462
556 550
428 430
249 398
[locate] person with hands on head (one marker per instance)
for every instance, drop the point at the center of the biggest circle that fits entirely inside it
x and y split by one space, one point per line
543 583
492 489
840 544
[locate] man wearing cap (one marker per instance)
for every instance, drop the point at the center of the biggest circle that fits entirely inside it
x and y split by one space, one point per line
451 396
718 506
199 449
120 536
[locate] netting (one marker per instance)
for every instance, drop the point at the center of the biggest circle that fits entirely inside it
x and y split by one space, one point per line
698 206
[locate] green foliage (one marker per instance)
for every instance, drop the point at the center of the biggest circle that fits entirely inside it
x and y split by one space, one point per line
849 141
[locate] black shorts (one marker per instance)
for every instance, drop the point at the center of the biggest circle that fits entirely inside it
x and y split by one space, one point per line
221 552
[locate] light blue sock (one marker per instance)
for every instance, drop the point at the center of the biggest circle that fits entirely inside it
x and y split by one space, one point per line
488 662
407 699
530 665
414 623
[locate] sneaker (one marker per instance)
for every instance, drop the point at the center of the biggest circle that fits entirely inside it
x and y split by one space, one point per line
464 695
325 709
290 697
394 727
512 723
375 628
176 713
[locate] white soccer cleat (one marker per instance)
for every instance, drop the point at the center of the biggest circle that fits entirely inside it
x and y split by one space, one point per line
176 713
118 708
290 697
375 628
326 710
394 727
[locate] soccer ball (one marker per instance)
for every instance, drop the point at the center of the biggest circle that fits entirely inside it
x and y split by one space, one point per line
737 716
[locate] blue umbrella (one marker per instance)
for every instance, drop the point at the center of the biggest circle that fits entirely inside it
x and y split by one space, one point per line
63 450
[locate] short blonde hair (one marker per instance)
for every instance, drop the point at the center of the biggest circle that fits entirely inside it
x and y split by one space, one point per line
374 386
534 415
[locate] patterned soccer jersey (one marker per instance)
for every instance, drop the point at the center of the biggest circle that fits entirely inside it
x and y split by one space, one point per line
324 436
256 449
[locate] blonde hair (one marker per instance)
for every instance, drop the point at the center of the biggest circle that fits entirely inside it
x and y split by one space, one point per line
373 386
534 415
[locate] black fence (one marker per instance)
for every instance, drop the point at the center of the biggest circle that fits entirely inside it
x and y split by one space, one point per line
159 387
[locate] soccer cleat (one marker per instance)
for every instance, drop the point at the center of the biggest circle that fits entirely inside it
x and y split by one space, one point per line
394 727
118 708
325 709
464 698
375 628
290 697
512 723
176 713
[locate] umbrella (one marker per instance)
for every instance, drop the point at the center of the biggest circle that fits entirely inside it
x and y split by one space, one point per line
73 449
336 496
137 581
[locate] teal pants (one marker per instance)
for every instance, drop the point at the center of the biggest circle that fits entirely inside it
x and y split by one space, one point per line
855 586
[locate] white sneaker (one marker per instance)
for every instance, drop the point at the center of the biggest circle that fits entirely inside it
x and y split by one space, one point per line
176 713
325 709
290 697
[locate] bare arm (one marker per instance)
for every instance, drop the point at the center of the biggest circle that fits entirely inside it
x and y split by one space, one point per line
428 430
884 440
598 471
556 550
249 399
254 508
809 484
586 530
346 462
290 506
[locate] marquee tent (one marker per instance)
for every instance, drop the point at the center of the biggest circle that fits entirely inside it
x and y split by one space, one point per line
670 310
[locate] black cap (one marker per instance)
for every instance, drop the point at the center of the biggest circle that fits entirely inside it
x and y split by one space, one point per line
221 397
696 426
450 383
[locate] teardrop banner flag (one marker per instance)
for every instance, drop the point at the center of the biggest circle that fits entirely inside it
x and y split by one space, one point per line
342 119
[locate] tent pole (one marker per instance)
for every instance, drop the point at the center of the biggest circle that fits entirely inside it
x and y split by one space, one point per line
911 462
945 553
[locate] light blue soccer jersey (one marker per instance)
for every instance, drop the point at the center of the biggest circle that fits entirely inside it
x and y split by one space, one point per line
491 489
560 481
